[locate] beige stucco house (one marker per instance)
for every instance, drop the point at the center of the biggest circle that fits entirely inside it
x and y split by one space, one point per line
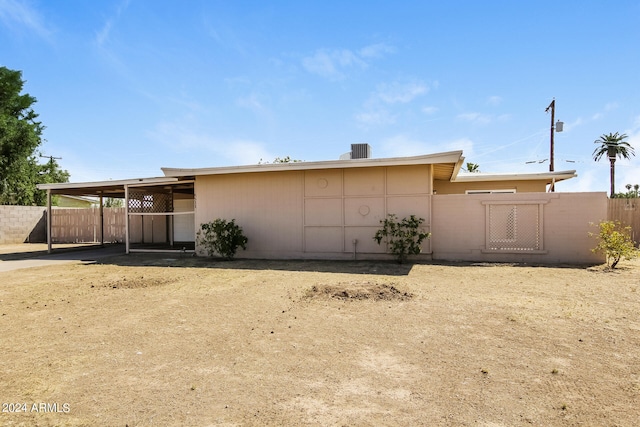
332 209
65 201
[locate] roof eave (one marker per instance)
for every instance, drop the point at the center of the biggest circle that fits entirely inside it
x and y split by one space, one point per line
110 183
557 176
446 157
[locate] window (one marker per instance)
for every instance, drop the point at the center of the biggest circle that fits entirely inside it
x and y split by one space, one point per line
506 191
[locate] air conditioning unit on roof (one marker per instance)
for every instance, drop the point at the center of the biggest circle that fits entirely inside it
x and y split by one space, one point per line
360 151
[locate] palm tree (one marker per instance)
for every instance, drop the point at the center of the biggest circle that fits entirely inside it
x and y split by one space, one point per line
614 146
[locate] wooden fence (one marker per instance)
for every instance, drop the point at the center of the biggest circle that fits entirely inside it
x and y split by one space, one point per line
79 225
627 211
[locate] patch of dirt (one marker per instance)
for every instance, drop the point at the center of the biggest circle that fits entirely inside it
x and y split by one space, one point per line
253 343
359 291
134 282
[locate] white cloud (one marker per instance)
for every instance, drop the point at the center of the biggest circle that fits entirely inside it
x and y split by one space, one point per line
568 127
333 64
634 137
375 50
429 110
185 136
19 13
400 93
588 180
608 107
476 118
376 108
246 152
402 146
629 175
375 117
103 35
251 102
494 101
464 144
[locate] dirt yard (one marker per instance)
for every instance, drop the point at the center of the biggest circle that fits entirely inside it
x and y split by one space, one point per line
159 341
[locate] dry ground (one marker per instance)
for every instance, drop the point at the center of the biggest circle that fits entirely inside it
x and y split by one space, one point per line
154 341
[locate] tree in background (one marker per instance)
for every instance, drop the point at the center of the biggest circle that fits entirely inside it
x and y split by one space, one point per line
280 160
633 192
614 146
20 136
111 202
473 167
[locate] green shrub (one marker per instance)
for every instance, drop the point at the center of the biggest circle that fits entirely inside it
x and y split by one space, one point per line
404 237
221 237
615 242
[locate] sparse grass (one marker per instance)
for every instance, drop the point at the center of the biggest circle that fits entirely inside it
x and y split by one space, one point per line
249 343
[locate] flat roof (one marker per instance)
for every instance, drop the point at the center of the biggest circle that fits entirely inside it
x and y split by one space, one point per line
446 167
451 162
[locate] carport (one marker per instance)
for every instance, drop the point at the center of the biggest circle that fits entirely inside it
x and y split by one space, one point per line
166 203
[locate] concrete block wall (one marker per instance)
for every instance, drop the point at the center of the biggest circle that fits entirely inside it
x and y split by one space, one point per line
23 224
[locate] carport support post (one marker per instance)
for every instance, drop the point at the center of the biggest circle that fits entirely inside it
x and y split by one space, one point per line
49 249
101 221
126 217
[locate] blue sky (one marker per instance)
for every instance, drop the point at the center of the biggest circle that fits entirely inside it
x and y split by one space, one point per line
127 87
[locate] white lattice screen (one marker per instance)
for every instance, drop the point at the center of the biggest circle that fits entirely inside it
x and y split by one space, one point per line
149 202
514 227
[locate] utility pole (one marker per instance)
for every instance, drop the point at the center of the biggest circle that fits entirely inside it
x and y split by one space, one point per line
51 158
558 128
551 107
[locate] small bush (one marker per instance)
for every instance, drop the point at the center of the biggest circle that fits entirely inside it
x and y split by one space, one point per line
404 237
221 237
615 242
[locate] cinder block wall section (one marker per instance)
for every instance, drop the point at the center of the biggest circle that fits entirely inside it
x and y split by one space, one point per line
23 224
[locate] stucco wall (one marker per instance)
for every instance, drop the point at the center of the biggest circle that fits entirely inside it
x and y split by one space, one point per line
268 207
460 226
319 213
72 202
447 187
314 213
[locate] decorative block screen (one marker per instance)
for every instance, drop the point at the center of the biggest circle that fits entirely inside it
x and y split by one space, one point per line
149 202
514 227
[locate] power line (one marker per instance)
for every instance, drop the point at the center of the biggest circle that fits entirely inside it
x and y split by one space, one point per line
51 158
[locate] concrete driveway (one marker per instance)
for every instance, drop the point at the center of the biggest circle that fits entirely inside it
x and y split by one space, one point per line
10 261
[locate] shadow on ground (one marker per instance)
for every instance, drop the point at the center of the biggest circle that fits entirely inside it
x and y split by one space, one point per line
391 268
114 254
81 253
188 261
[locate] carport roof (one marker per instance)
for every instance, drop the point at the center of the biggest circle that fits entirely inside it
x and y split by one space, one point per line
111 188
